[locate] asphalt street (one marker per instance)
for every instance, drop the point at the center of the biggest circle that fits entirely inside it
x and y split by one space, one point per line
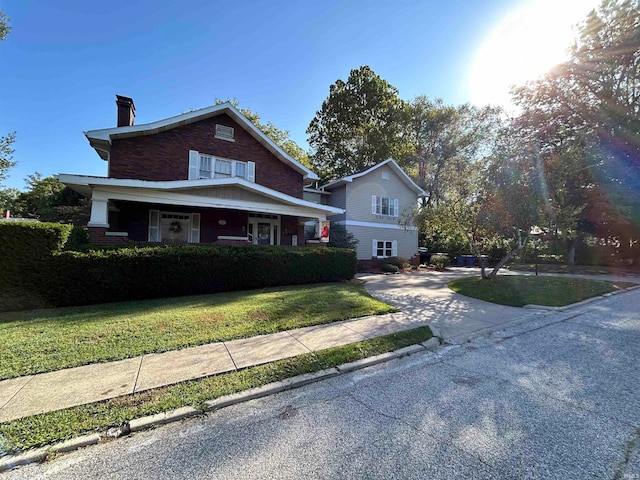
553 397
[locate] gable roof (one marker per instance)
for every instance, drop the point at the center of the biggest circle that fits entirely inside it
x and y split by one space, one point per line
101 139
391 163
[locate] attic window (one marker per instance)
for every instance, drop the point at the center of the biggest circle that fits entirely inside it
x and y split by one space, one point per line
385 175
225 133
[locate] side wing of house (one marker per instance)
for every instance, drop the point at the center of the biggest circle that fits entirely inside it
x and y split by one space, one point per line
376 204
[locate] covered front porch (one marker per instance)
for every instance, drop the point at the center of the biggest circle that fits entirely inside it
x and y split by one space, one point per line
229 211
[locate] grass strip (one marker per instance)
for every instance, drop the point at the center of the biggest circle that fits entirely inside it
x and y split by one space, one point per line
45 340
47 428
520 290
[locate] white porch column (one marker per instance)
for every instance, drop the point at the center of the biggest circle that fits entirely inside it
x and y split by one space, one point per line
99 213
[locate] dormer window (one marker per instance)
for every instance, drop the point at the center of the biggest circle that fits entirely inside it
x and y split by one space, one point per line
225 133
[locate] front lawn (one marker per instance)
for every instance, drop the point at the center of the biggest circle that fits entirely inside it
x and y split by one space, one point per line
45 340
520 290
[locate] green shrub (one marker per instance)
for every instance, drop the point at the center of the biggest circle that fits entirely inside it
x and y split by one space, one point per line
102 276
389 268
37 273
440 261
78 239
26 255
399 262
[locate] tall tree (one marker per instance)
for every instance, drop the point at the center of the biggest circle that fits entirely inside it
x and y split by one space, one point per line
586 117
6 151
4 25
49 200
446 138
280 137
360 124
6 154
496 196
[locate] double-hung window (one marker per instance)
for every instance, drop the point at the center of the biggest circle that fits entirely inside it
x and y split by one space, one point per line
384 248
205 167
240 170
223 168
384 206
210 167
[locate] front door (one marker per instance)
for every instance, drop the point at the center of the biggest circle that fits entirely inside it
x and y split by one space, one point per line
174 227
264 234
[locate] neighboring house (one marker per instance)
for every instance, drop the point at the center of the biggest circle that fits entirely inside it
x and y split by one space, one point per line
375 202
207 176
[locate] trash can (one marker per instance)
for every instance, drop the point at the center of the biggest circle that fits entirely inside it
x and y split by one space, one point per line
469 260
460 261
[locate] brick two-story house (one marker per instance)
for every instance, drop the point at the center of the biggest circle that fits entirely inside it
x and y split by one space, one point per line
207 176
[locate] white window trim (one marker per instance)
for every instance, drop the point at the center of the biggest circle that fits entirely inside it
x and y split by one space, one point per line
195 170
374 250
376 206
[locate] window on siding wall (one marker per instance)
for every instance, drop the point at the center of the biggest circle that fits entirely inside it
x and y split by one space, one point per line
385 248
384 206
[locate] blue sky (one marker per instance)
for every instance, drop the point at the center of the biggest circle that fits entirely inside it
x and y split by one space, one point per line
64 62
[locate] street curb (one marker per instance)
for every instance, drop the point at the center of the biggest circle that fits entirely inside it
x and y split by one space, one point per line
579 304
432 344
75 443
143 423
32 456
178 414
269 389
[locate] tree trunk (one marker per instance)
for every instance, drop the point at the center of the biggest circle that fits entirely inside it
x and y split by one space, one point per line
502 263
571 257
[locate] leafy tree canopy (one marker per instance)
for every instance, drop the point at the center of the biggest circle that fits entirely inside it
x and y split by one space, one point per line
280 137
360 124
586 117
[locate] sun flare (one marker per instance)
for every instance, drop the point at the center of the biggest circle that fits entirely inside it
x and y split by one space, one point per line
524 45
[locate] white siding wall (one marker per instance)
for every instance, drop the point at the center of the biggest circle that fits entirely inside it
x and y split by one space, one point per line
360 191
407 240
338 199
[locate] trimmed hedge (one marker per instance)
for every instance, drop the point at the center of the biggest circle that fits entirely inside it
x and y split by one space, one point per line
26 255
101 276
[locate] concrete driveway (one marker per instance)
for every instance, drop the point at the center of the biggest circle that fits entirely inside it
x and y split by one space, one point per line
425 298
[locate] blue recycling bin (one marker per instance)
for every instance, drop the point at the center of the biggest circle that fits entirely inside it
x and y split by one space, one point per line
469 260
460 261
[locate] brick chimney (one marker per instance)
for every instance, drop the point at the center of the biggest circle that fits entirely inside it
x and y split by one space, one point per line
126 111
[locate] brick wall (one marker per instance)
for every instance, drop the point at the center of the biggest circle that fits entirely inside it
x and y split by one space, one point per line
165 155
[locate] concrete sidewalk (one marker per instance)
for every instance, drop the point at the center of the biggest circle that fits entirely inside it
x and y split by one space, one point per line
34 394
423 297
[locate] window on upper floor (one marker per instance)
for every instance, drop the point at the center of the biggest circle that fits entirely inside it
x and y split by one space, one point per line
208 166
384 206
225 133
